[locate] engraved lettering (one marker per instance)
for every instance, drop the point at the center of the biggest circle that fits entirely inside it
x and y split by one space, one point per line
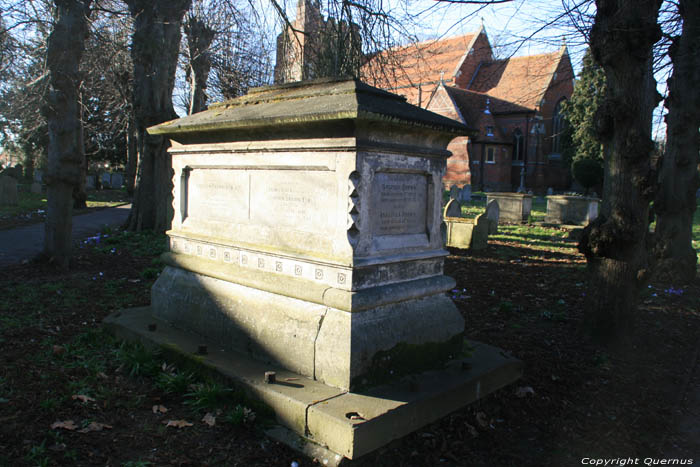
402 203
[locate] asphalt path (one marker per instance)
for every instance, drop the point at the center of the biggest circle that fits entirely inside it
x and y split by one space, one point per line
24 243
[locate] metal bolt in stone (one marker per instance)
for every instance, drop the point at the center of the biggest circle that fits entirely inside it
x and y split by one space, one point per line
270 377
152 327
202 349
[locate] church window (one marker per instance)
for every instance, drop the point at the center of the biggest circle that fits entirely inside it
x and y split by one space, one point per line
557 126
491 155
518 145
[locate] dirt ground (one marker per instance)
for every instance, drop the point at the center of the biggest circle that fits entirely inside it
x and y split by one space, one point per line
574 401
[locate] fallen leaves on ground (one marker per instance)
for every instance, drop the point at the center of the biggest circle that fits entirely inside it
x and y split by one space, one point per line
66 425
209 419
95 426
159 409
82 398
177 423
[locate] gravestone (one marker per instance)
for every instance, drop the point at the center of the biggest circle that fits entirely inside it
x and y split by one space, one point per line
309 253
8 191
90 182
572 210
38 176
36 188
117 180
105 179
480 237
550 191
492 214
469 234
452 209
454 192
466 194
513 207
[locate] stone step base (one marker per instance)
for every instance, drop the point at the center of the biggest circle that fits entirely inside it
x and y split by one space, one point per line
342 424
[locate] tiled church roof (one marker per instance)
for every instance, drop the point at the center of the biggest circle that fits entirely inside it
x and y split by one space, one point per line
520 80
403 69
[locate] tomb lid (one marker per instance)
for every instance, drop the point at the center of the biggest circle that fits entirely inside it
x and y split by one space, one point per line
322 100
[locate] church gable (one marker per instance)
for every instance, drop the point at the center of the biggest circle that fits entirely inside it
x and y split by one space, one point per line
520 80
416 70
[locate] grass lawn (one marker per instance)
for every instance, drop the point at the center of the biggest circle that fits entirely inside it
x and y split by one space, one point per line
72 395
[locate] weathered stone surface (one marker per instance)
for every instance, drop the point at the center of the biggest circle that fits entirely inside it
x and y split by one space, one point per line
467 233
480 236
574 210
513 207
465 194
8 191
453 209
267 326
454 192
280 108
305 211
90 182
493 214
349 424
347 342
36 188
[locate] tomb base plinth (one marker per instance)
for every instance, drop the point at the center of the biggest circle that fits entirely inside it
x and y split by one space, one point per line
324 421
339 337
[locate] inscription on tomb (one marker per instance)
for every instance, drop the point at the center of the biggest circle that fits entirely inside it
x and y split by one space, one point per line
401 200
301 201
218 195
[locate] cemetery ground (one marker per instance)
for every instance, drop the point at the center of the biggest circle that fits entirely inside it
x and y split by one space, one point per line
31 207
71 395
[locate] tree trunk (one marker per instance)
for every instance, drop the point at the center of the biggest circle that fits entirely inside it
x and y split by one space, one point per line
615 244
199 38
66 153
132 156
675 201
80 189
154 50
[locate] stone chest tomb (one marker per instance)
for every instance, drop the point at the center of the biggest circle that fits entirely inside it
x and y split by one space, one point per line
308 228
308 240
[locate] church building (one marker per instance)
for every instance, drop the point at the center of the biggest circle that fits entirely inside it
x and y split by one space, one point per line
515 103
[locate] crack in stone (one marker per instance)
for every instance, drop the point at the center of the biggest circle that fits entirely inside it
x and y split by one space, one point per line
318 332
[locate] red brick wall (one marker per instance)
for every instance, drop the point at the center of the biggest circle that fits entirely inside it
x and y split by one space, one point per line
561 87
458 172
496 175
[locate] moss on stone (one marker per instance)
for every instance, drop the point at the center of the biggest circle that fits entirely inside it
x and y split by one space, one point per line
405 359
